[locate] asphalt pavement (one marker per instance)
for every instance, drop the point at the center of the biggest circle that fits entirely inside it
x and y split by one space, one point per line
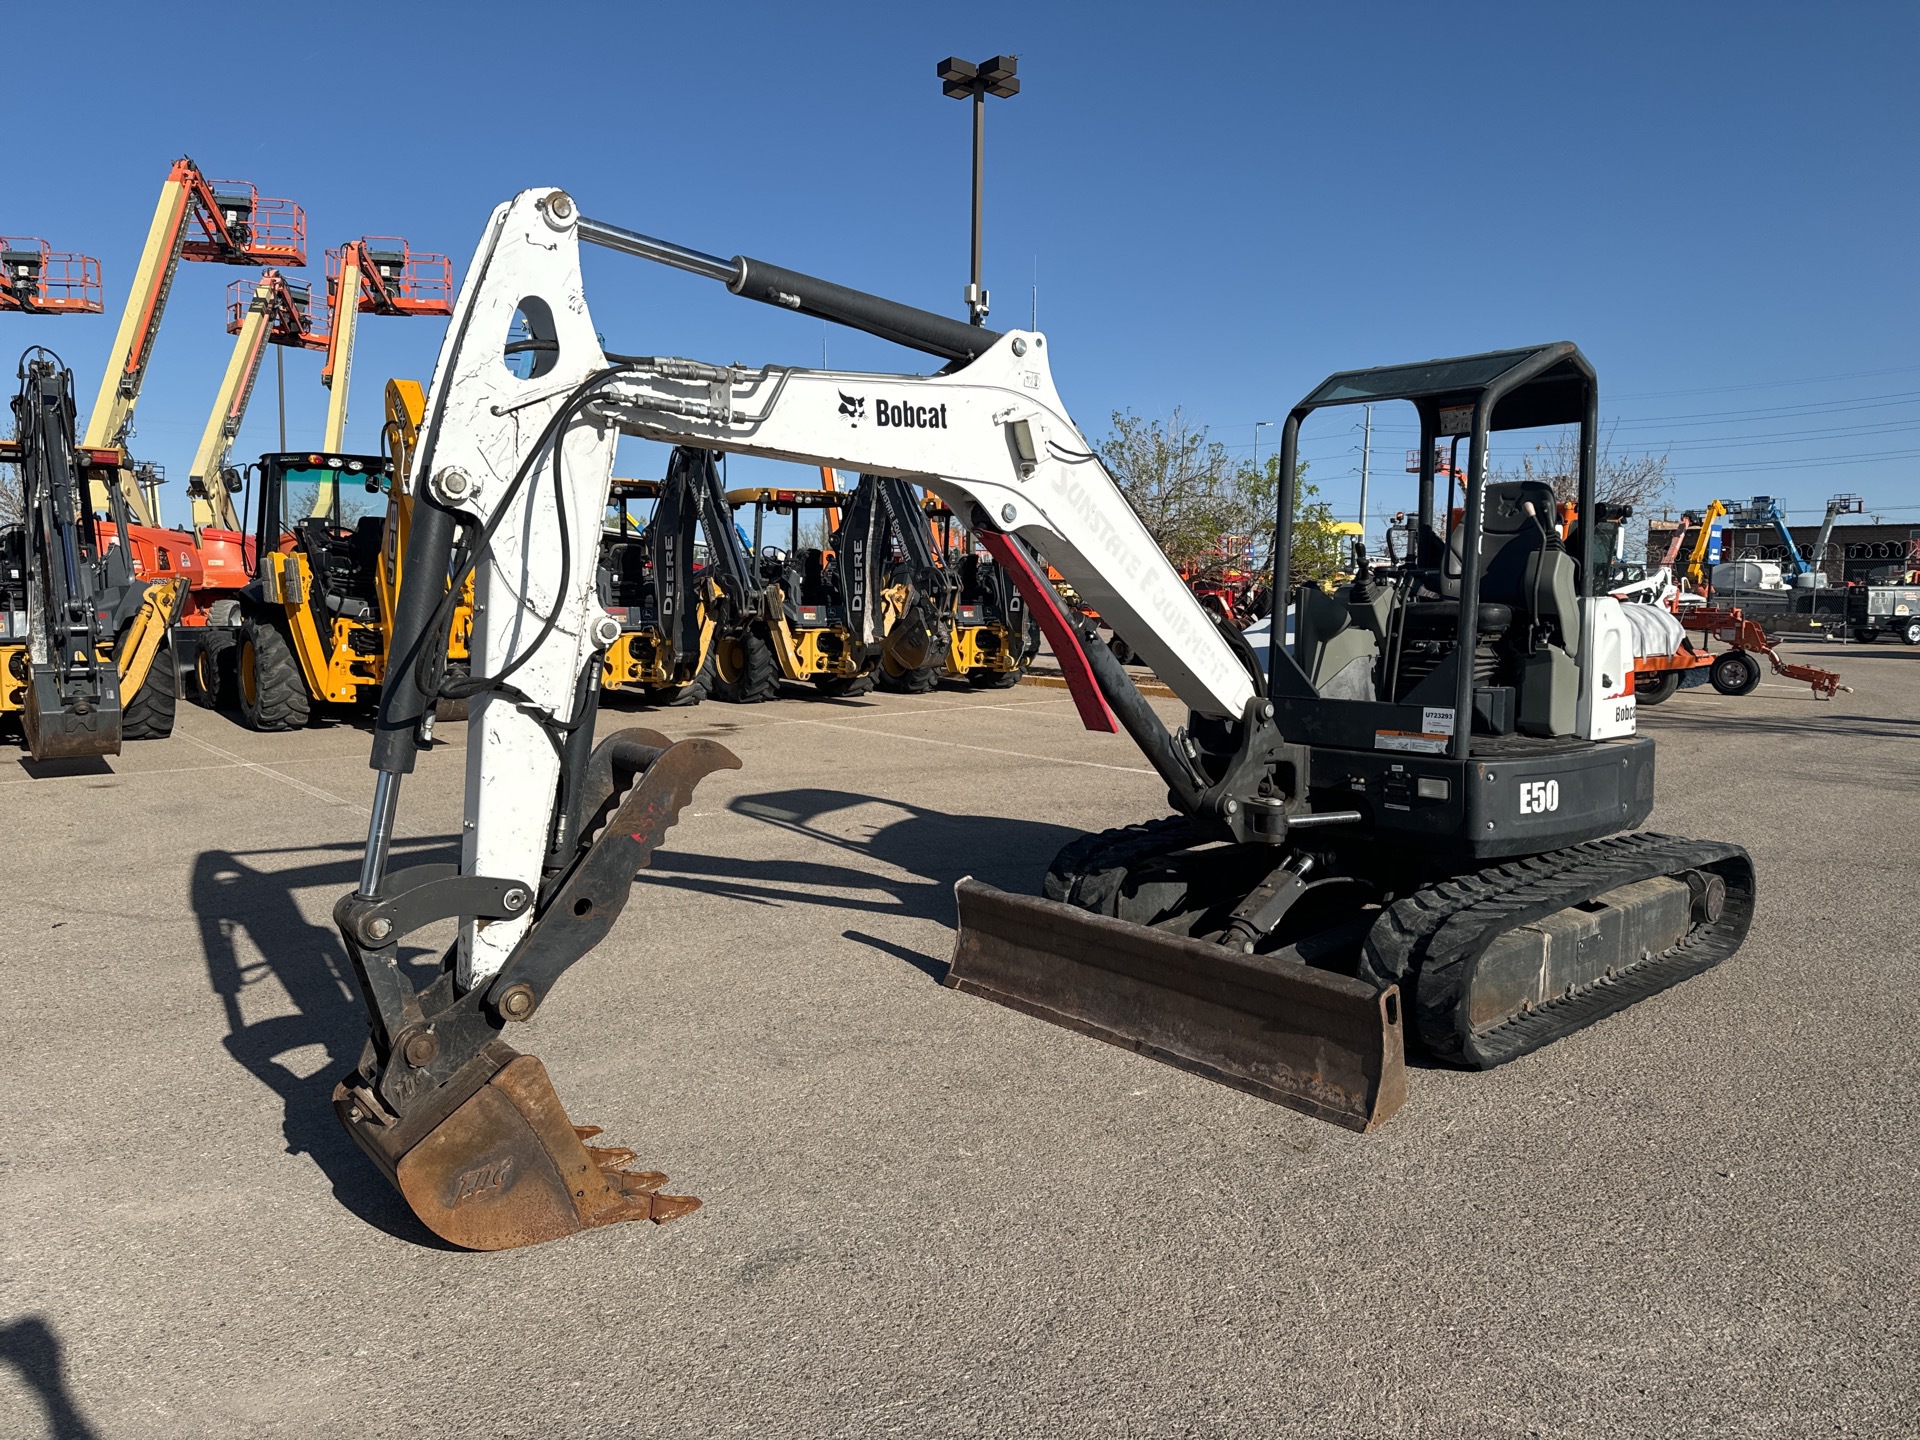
926 1215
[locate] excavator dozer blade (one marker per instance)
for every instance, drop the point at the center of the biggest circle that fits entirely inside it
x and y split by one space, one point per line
1320 1043
505 1167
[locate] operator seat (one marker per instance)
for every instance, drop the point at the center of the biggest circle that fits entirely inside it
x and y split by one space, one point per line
341 563
813 577
626 571
1524 567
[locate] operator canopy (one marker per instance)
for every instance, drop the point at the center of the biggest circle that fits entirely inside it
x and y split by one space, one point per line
1534 386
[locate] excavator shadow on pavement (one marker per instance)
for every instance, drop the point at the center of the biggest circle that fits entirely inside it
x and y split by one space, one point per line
245 902
31 1349
927 850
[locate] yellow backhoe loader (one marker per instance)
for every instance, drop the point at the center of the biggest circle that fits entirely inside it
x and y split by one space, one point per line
823 611
671 590
317 617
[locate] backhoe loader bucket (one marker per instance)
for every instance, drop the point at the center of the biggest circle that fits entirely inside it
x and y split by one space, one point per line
1317 1042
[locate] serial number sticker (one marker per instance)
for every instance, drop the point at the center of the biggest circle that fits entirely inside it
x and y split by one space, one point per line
1411 741
1437 720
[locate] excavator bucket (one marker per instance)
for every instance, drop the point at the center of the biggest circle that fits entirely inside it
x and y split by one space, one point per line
466 1127
1320 1043
505 1167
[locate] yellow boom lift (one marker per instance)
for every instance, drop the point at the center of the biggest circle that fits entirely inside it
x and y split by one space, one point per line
1697 556
272 310
222 222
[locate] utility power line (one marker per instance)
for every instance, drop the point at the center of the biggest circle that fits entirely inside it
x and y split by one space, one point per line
1768 384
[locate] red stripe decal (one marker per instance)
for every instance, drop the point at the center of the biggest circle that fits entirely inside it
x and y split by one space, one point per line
1045 604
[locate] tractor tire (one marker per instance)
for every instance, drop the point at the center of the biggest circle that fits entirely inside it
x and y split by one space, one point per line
1122 651
995 679
755 670
1654 687
698 688
845 687
1910 631
273 692
1866 636
923 680
216 676
1735 672
148 714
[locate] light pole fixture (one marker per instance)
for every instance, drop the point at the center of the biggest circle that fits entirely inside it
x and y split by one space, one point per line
961 80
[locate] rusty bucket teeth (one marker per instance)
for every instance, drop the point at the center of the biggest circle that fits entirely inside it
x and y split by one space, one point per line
506 1168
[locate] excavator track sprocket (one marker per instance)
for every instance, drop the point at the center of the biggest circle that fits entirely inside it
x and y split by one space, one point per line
1504 960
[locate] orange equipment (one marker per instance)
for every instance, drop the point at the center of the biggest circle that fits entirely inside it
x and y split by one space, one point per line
40 280
385 277
222 222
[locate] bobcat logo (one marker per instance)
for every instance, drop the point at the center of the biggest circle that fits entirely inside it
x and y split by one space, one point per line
854 407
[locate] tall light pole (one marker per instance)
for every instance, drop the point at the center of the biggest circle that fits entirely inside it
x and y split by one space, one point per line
962 80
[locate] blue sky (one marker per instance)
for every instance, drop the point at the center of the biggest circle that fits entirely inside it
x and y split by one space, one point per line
1220 204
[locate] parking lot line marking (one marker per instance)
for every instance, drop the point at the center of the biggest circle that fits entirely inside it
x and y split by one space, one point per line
983 749
207 769
245 764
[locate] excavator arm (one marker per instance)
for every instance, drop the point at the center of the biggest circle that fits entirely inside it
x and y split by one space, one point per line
94 629
511 477
524 466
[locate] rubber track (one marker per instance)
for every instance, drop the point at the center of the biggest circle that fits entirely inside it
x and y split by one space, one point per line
1429 941
1090 871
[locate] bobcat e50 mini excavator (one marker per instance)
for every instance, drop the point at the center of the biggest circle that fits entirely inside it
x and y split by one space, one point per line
1412 804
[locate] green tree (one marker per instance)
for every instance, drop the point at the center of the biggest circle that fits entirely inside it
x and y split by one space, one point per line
1177 480
1620 478
1319 550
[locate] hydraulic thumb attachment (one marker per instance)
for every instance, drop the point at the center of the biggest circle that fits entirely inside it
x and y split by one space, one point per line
469 1129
